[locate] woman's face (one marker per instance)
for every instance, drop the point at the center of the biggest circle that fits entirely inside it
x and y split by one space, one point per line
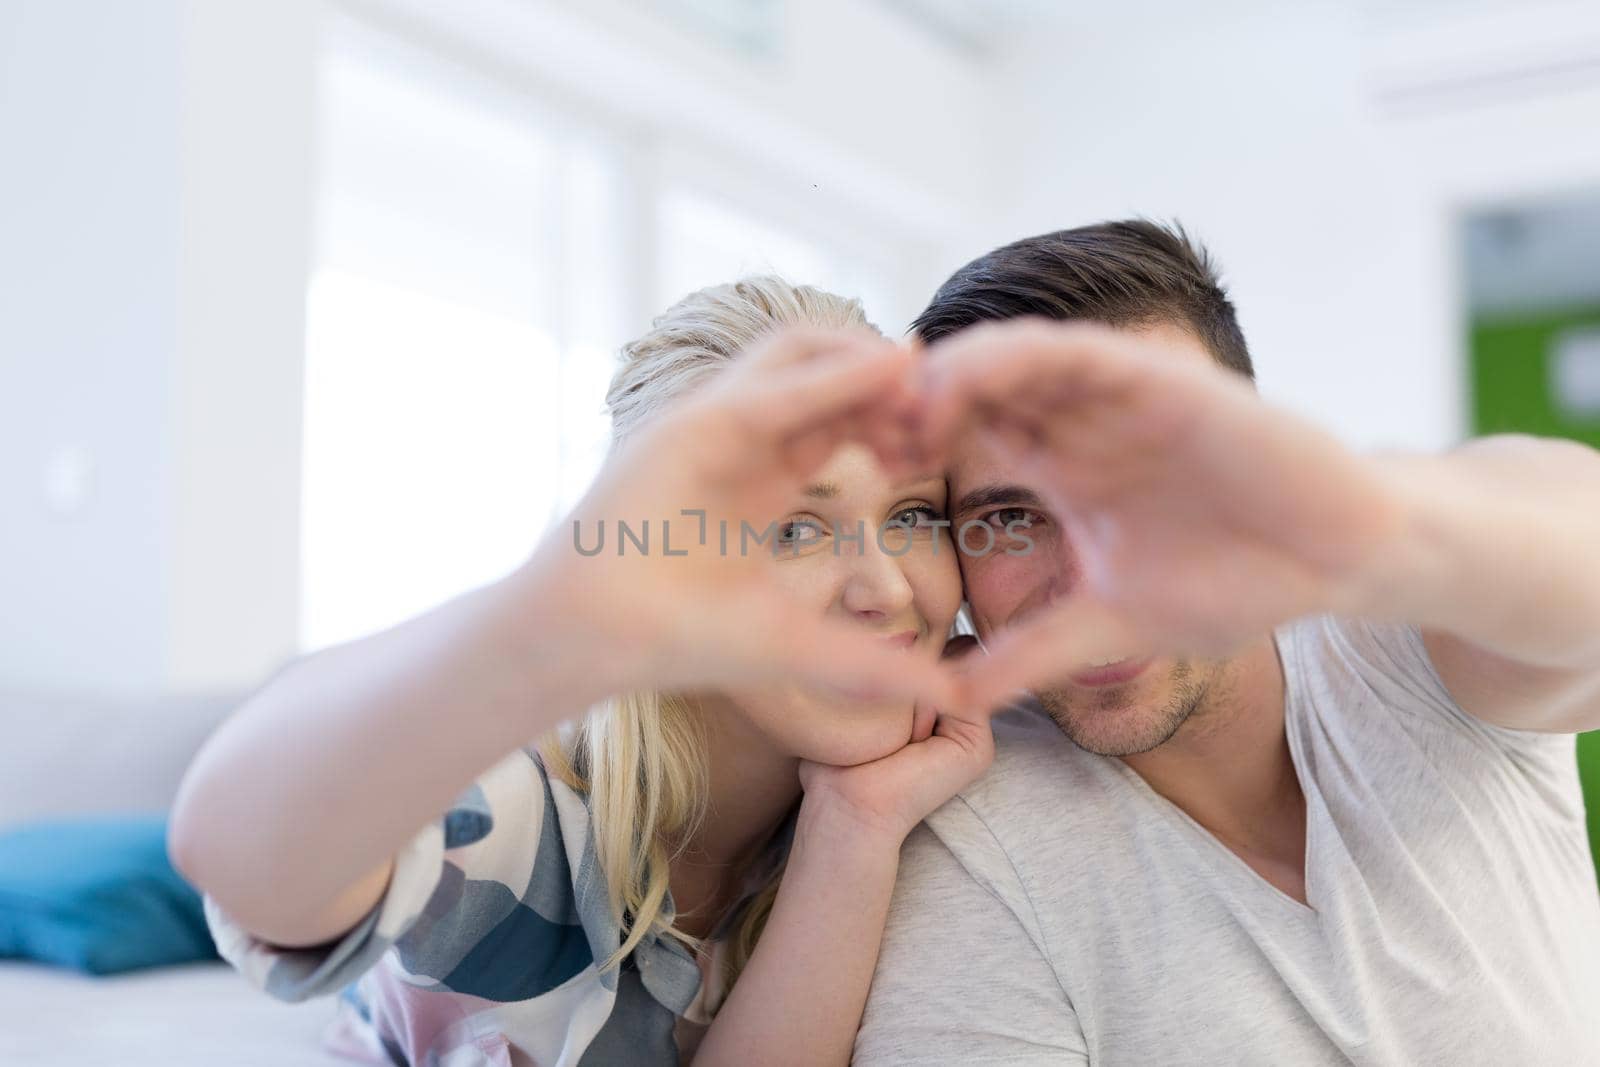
897 582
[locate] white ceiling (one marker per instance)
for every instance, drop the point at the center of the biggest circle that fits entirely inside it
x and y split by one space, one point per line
978 26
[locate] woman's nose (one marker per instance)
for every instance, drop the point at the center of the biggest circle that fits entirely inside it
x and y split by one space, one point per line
876 585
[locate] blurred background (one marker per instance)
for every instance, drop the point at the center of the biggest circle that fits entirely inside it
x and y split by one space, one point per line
307 307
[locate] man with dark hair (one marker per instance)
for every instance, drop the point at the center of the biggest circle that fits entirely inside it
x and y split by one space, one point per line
1305 789
1130 274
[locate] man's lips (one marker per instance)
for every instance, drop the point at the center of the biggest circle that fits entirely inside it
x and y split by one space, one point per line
1123 670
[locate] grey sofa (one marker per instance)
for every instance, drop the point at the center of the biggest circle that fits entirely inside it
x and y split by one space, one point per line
66 754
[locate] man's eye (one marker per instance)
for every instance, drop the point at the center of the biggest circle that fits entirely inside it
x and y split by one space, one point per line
799 532
1004 517
920 515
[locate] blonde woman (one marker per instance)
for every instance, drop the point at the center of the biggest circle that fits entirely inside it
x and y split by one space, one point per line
700 866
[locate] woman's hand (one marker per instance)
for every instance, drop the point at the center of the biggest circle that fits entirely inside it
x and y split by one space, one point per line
800 998
887 798
690 600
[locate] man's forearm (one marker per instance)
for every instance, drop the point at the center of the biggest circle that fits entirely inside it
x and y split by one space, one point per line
1501 549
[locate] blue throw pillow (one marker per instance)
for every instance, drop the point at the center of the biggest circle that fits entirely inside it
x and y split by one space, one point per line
98 895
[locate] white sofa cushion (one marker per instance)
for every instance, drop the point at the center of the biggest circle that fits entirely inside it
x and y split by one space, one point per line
196 1015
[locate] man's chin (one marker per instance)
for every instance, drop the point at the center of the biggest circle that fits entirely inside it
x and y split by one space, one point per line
1108 735
1124 720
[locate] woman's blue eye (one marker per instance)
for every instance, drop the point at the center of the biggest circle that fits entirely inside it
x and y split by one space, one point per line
799 532
920 515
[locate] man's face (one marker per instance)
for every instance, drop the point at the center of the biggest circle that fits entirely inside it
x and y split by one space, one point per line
1117 710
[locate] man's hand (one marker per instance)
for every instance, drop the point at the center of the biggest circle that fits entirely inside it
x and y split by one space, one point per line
1201 516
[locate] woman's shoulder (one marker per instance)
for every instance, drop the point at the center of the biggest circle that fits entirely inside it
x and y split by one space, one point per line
501 865
518 818
516 844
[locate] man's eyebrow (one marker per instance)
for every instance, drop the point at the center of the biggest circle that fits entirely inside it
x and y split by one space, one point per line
822 491
989 496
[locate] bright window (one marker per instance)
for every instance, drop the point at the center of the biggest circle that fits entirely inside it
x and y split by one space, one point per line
455 372
479 261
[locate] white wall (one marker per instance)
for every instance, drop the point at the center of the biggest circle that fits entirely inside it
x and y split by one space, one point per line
154 194
88 323
1323 150
246 112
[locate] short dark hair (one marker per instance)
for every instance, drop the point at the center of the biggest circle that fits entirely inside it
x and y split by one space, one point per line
1128 273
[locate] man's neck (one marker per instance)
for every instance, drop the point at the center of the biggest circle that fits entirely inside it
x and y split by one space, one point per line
1229 768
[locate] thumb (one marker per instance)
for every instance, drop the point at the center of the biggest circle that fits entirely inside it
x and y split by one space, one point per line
927 715
1047 648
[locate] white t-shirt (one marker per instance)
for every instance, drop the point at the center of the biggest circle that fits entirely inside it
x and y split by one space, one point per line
1061 911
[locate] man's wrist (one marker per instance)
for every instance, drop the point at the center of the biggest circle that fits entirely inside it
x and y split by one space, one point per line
1414 566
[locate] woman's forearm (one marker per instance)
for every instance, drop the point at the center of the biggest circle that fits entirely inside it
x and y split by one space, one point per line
301 796
801 995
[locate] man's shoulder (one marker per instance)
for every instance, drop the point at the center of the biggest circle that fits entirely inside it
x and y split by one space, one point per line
1036 767
1042 793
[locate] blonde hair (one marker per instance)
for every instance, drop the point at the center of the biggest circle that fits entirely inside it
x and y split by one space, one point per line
641 756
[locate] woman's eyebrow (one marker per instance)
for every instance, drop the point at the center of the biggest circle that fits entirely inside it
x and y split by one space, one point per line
989 496
822 491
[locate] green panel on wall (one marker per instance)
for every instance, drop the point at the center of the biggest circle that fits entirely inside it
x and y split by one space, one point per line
1512 392
1511 386
1589 770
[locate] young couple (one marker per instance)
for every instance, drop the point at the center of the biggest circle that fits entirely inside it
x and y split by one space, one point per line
1302 789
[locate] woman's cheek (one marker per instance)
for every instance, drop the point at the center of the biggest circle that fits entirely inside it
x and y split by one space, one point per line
935 579
810 580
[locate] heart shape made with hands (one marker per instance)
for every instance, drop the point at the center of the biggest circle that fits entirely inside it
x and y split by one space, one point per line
1194 516
1191 517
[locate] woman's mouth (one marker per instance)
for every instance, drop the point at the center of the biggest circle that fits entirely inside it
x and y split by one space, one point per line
904 639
